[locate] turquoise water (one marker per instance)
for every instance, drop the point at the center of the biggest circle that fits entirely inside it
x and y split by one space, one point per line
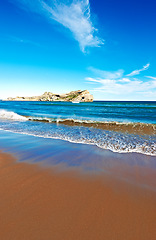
19 117
97 111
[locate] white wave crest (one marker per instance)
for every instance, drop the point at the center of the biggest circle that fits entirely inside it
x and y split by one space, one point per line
11 116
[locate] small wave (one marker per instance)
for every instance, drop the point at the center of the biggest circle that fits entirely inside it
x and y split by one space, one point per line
107 135
114 142
11 116
129 127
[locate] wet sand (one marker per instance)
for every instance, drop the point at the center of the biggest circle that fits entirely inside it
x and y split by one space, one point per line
39 203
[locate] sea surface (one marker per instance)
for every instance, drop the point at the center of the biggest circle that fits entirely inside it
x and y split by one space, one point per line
118 126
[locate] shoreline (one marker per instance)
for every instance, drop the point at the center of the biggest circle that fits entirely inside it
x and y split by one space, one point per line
47 203
137 144
87 158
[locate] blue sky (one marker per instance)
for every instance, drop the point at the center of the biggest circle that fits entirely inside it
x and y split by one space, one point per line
107 47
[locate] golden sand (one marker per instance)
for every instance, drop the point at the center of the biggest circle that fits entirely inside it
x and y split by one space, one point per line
42 204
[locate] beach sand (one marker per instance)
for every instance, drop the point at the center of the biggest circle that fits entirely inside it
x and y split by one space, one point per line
39 203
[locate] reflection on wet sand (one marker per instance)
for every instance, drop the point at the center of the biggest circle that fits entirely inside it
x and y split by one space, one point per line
39 203
59 190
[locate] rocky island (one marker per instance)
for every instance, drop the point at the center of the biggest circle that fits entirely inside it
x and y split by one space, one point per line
73 96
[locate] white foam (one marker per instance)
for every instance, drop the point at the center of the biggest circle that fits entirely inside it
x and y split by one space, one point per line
109 146
11 116
111 140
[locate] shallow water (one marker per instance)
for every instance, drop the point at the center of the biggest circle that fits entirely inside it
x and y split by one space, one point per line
144 112
133 167
132 130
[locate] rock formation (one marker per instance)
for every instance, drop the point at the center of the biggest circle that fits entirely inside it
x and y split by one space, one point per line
74 96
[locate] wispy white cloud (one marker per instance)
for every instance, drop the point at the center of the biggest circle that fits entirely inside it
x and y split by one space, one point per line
20 40
72 14
124 80
106 74
121 85
137 72
154 78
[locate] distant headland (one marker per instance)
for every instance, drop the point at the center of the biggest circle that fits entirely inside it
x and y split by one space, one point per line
73 96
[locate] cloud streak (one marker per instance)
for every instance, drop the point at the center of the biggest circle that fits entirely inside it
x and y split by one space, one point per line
154 78
137 72
72 14
20 40
106 74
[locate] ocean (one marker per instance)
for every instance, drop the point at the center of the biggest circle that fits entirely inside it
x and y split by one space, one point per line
118 126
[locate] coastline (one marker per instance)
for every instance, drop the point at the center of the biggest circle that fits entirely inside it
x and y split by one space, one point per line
52 189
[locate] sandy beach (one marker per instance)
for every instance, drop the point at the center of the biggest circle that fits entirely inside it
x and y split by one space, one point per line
44 203
77 120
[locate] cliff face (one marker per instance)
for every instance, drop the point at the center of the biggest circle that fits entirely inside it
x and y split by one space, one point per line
74 96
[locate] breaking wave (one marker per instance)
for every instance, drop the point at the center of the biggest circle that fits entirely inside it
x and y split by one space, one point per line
114 141
129 127
119 137
11 116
